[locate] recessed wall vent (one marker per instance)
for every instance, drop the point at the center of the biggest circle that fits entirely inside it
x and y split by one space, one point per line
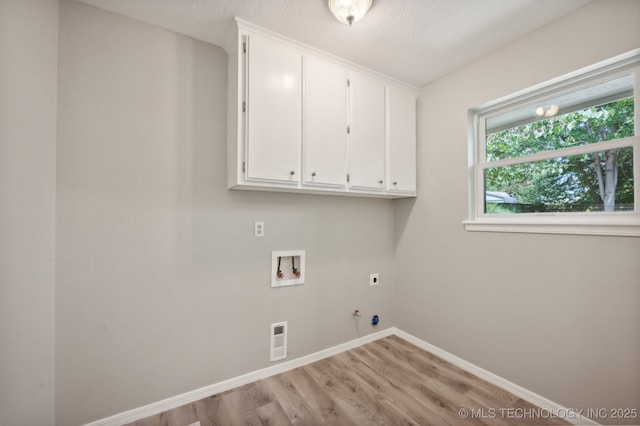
278 341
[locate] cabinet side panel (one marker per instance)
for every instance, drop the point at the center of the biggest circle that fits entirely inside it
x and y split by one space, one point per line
234 120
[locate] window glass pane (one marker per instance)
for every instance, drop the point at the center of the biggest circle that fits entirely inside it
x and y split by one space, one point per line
589 115
601 181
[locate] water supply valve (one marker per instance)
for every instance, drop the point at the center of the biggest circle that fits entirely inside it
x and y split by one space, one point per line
279 274
375 320
295 270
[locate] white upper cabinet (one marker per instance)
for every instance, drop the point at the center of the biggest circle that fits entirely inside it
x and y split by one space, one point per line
300 120
367 131
325 123
273 111
401 148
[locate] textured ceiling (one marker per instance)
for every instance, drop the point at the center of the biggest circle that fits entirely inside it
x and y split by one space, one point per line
415 41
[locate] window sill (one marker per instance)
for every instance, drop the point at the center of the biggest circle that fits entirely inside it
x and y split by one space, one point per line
621 226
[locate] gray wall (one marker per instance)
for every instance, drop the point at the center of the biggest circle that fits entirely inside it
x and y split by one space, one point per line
161 286
28 79
558 315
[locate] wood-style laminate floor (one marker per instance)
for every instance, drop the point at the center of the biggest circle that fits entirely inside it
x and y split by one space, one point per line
386 382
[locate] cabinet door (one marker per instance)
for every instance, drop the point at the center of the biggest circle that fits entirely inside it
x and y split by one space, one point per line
402 140
325 124
273 111
367 131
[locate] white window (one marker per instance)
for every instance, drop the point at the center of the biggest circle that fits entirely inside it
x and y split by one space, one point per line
561 157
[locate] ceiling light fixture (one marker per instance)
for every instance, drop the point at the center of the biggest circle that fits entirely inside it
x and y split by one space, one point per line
349 11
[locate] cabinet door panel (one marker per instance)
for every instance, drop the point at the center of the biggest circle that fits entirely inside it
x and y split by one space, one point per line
325 134
367 160
402 140
274 111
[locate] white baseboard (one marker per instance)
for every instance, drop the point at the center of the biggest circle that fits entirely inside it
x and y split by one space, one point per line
195 395
567 414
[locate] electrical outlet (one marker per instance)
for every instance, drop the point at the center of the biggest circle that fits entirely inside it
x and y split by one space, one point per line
374 279
258 229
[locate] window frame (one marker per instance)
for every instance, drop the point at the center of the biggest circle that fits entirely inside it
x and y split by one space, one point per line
582 223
